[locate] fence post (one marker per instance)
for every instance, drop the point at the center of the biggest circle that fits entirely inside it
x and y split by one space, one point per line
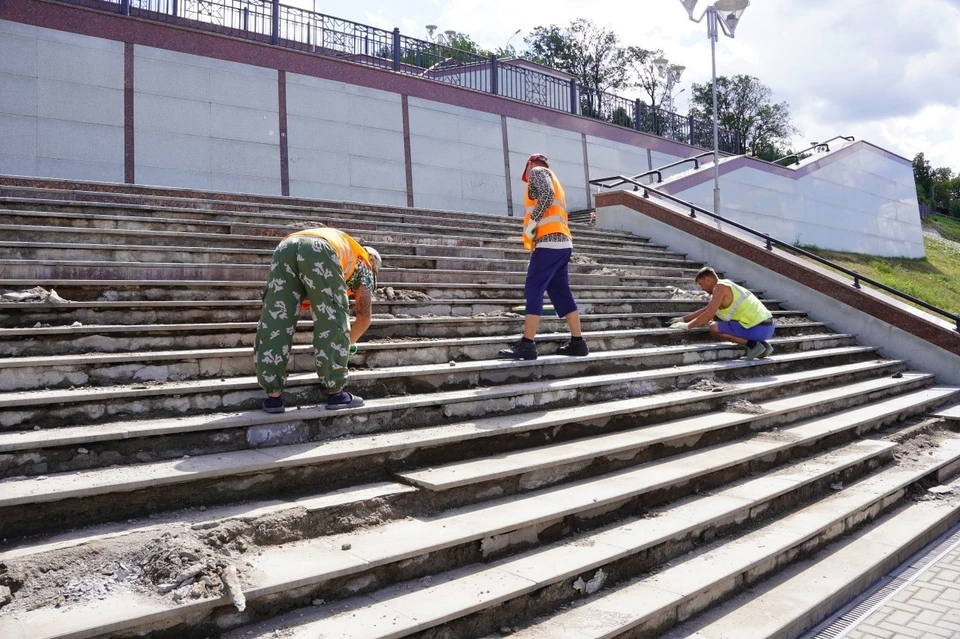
396 48
692 124
275 28
736 142
574 107
494 75
637 114
125 7
174 10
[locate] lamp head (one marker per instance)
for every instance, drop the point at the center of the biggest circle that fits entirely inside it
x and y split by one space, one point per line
431 28
731 11
450 33
689 5
678 69
661 64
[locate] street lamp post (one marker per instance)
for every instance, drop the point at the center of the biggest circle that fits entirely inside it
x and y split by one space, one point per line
671 73
726 14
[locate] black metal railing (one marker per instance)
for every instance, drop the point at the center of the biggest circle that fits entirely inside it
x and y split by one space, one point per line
295 28
771 242
618 180
817 147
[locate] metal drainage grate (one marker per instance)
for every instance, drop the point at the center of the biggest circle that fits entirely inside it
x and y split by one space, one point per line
846 618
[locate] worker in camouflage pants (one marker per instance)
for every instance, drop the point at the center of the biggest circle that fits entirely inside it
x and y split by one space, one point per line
320 268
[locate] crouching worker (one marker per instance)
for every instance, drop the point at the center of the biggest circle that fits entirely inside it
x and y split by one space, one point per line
743 318
322 268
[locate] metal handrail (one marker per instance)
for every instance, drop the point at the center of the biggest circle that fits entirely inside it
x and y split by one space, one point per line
772 242
817 146
658 172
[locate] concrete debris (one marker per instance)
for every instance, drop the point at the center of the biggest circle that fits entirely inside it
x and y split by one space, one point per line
306 225
33 295
400 294
76 325
941 490
743 406
582 259
231 584
592 586
5 596
837 486
681 294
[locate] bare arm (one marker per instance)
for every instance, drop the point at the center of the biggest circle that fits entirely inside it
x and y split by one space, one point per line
363 304
706 314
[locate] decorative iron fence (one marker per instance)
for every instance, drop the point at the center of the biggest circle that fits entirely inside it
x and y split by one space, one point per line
304 30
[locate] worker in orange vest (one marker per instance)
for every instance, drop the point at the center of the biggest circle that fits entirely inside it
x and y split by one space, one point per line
547 234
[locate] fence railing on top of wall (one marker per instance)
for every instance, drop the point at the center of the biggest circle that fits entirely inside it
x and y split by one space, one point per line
271 22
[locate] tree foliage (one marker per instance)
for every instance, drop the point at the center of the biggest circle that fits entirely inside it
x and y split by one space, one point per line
590 52
745 105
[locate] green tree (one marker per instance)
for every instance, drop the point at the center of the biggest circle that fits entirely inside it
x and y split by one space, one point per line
590 52
923 177
745 105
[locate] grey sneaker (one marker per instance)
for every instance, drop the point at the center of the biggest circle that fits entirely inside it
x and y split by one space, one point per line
767 349
755 352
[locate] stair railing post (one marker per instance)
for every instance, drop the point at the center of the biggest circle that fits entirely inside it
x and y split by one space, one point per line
396 48
494 75
275 27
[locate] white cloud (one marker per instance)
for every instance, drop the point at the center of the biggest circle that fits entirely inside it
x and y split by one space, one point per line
882 70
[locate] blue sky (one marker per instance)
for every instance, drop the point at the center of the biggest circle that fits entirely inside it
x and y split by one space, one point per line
886 71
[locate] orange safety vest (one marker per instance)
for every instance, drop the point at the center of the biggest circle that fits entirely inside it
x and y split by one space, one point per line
554 219
347 248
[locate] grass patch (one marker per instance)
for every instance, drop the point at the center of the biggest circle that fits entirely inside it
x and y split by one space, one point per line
948 227
935 280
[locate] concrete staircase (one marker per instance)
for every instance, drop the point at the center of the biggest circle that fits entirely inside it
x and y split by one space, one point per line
144 494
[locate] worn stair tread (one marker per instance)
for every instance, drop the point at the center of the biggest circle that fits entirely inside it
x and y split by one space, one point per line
147 356
952 412
806 593
405 608
34 398
484 469
86 434
209 518
314 561
629 606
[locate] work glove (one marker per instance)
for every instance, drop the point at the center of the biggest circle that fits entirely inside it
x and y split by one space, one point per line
680 325
674 320
353 350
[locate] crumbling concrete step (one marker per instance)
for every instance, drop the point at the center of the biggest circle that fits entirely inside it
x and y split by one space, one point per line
806 593
103 312
38 504
79 269
67 371
56 450
133 231
476 600
530 469
37 341
380 555
171 290
664 367
657 602
951 415
147 255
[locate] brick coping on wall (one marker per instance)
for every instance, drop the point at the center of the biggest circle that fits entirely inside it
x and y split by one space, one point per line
875 303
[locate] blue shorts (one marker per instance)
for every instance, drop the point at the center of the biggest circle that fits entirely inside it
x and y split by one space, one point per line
759 333
547 272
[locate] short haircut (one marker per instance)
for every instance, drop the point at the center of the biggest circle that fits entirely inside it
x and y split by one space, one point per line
706 271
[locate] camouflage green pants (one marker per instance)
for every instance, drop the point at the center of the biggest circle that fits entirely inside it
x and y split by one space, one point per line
303 266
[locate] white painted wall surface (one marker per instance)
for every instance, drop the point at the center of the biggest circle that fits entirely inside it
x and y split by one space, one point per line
564 149
608 158
61 104
864 202
457 158
205 123
345 142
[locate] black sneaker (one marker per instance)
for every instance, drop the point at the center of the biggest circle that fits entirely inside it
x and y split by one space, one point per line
520 350
576 348
273 405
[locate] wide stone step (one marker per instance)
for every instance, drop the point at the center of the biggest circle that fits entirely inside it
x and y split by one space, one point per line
476 600
93 269
166 232
492 226
403 440
34 341
175 290
642 371
32 373
655 603
25 314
